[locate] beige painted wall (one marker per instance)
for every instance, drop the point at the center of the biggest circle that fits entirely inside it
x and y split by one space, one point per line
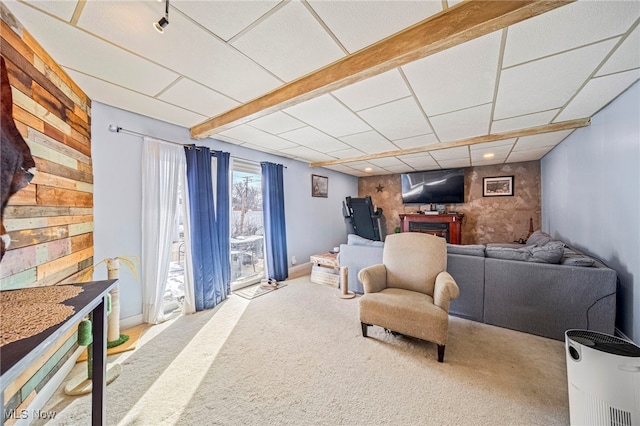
487 219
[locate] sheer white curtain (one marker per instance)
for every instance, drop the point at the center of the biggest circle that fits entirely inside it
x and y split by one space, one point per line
163 170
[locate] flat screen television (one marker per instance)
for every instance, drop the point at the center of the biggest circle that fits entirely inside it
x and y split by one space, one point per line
433 187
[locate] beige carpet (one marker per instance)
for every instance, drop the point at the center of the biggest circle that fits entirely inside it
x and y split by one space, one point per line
297 357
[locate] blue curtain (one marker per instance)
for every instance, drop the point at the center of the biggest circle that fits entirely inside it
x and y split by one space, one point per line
275 233
223 208
210 261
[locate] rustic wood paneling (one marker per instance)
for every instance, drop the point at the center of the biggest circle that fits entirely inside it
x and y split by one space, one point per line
50 222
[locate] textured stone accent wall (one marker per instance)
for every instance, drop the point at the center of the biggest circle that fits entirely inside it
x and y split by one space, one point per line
487 219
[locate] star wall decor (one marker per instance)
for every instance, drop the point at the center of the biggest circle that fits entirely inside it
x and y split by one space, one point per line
379 187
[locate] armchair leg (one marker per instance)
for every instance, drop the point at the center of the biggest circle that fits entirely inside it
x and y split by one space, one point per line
364 329
440 353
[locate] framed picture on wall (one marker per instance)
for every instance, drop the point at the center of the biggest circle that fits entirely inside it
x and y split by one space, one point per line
319 186
501 186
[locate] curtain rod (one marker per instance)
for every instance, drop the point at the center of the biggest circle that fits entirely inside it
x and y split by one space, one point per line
118 129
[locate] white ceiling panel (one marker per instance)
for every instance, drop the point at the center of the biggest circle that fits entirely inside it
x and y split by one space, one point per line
477 163
492 153
534 142
258 137
369 142
458 162
196 97
547 83
568 27
415 141
450 153
462 124
277 122
626 56
495 144
346 153
359 24
367 167
398 119
313 138
403 168
281 43
374 91
119 97
307 154
182 47
529 155
224 18
421 161
386 162
62 9
598 91
339 168
524 121
456 78
328 115
93 56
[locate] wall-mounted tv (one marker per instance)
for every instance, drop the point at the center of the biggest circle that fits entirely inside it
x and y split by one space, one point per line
433 187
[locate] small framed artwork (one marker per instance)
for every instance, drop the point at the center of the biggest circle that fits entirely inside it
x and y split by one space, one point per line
319 186
501 186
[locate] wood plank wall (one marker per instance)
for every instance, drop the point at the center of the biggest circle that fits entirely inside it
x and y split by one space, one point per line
50 222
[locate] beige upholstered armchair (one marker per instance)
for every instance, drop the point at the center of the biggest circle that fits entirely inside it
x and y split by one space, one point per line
411 291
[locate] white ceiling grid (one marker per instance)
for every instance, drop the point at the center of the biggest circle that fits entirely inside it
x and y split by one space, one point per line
215 55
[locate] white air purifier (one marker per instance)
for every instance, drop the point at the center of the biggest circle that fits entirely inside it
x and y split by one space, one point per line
603 374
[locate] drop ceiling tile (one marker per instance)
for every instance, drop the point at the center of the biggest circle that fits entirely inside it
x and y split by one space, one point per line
477 163
62 9
374 91
462 124
369 142
626 56
542 140
529 155
261 148
277 122
195 97
524 121
346 153
364 166
398 119
456 78
458 162
386 162
282 43
303 153
568 27
358 24
328 115
597 94
315 139
547 83
415 141
339 168
499 153
106 93
404 168
421 161
93 56
224 18
258 137
450 153
183 47
495 144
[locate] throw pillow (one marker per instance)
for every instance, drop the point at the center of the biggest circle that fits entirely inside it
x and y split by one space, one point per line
548 253
538 238
577 260
357 240
508 253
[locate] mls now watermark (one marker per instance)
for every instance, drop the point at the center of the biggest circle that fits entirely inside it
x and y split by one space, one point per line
29 414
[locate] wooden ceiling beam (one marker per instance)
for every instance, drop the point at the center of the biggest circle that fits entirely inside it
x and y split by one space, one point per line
547 128
463 22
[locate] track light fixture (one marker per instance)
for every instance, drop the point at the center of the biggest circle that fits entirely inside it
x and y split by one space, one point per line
164 21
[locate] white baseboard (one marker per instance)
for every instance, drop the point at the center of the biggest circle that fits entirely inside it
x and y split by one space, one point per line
48 390
129 322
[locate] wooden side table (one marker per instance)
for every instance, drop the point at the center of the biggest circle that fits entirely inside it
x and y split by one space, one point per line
325 269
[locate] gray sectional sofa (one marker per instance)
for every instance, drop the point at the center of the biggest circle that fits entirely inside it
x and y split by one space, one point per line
542 287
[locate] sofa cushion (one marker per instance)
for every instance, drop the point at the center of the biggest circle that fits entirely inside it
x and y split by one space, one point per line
549 253
357 240
538 238
508 253
469 249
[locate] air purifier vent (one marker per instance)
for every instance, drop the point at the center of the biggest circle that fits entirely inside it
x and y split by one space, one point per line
619 417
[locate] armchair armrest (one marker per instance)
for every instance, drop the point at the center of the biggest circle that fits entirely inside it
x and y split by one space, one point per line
445 290
373 278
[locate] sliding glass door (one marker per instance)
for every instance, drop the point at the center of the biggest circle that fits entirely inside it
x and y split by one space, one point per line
247 230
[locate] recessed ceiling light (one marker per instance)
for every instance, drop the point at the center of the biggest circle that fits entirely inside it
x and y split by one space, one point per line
368 169
489 155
